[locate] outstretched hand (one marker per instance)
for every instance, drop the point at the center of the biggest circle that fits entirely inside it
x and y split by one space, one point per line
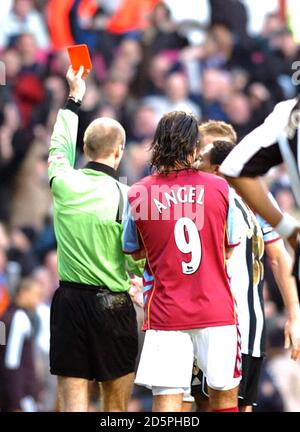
292 337
76 82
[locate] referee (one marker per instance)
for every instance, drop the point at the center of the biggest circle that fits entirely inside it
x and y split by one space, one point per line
93 321
277 140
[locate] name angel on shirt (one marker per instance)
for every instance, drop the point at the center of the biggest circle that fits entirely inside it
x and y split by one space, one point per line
165 203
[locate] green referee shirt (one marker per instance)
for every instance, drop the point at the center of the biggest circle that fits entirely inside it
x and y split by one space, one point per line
86 207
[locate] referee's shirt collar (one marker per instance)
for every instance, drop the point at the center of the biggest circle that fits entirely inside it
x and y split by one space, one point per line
97 166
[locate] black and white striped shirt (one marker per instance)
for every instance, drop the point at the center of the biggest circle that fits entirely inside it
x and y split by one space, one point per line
246 270
277 140
18 386
269 145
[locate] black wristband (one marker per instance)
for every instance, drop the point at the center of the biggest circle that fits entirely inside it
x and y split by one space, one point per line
72 105
76 100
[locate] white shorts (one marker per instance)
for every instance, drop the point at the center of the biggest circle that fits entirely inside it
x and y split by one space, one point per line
167 358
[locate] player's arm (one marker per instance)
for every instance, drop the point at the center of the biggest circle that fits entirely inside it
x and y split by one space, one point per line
229 252
253 157
131 241
233 229
257 196
281 265
259 150
62 150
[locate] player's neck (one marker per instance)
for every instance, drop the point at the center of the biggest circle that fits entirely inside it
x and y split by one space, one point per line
111 162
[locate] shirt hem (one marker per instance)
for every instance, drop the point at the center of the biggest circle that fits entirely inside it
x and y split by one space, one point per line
189 326
233 245
272 241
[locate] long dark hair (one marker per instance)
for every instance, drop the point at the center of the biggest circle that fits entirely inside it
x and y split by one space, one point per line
175 140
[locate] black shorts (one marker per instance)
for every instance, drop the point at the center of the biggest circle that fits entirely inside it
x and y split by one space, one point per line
93 333
251 368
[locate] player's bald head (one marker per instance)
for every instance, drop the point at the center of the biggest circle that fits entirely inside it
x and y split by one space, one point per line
102 137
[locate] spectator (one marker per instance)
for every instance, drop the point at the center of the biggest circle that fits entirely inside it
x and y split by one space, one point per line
127 59
234 15
155 76
238 111
23 18
136 161
144 124
27 48
175 98
21 249
18 379
4 296
13 64
31 198
272 25
163 34
116 94
47 383
260 102
215 89
286 52
12 154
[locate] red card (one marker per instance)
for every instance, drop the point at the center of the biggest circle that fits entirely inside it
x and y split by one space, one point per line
79 55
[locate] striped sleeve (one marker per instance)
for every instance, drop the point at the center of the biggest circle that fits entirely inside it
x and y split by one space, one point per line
259 150
233 225
20 330
13 373
130 237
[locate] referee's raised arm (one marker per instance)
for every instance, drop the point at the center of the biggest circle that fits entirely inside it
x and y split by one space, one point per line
62 150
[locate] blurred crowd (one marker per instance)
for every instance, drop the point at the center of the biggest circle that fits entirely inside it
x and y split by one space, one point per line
149 57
